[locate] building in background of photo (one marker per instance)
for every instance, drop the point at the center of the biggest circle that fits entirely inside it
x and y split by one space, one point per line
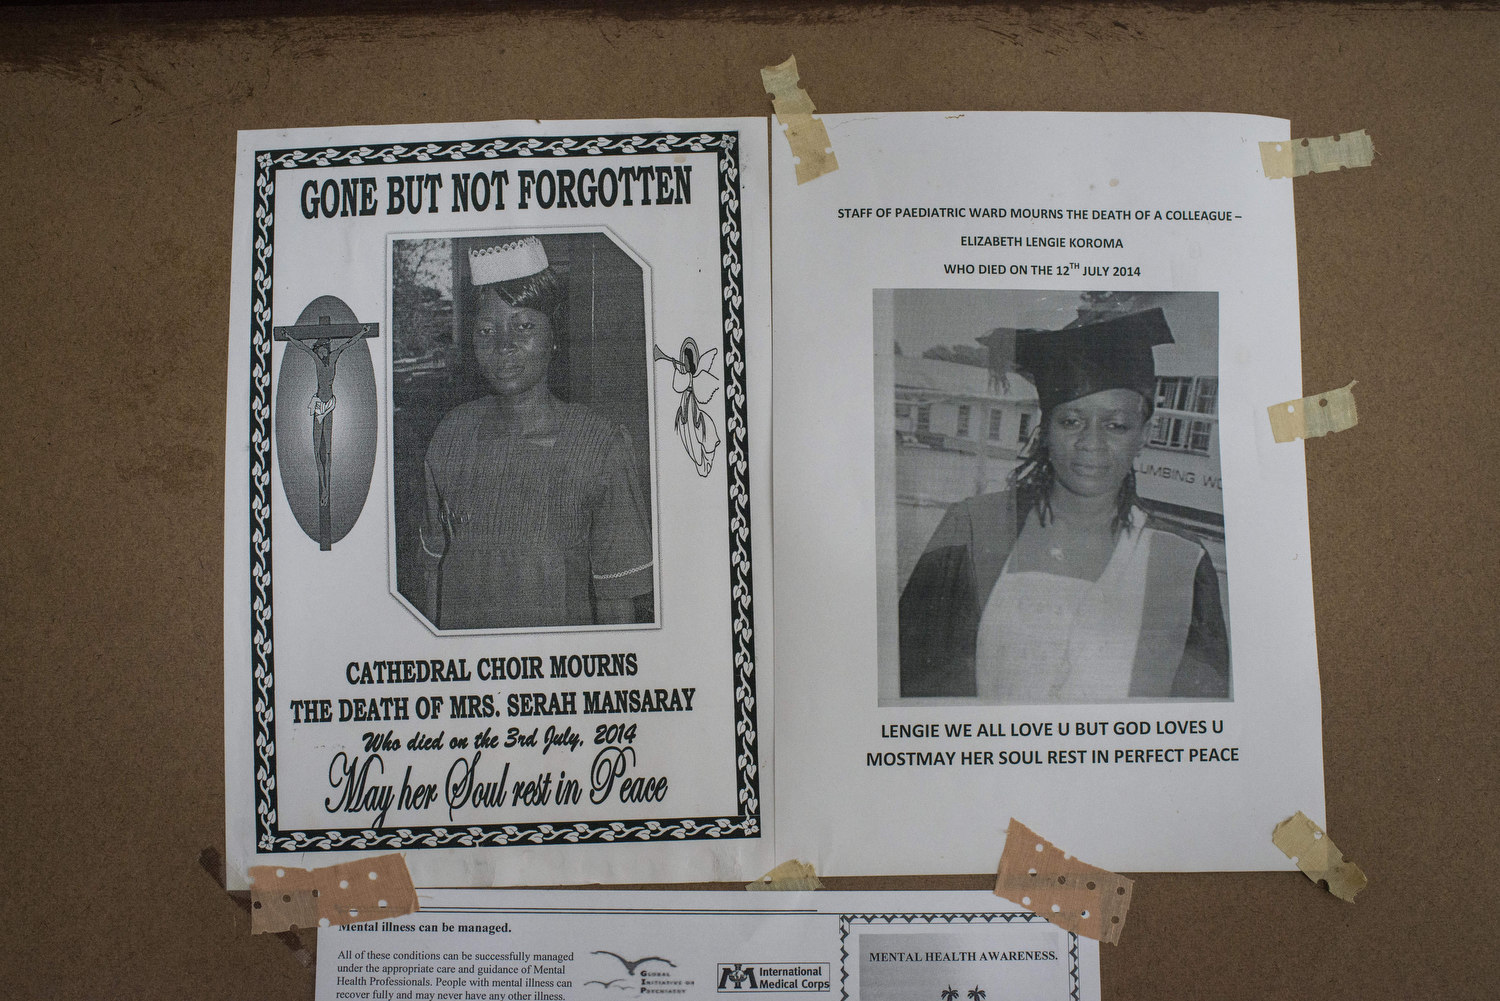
958 433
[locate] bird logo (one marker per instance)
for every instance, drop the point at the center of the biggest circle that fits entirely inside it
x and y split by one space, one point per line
631 964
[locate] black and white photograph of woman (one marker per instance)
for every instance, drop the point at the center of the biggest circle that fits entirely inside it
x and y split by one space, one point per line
1061 583
533 510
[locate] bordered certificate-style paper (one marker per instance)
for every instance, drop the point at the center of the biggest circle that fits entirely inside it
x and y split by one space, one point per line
1037 554
563 945
497 585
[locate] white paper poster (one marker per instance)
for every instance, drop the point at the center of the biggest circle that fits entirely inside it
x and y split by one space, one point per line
1037 554
510 945
498 432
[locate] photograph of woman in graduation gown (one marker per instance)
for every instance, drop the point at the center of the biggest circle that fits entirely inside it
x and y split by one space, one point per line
1063 588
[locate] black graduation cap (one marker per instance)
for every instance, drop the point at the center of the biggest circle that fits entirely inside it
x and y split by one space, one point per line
1077 361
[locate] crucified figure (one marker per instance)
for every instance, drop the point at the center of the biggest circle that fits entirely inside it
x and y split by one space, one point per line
325 353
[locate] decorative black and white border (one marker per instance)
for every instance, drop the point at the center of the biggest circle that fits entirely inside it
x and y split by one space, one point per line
846 921
271 838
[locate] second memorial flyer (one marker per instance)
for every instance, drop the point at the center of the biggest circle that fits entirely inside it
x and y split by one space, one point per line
499 498
1037 554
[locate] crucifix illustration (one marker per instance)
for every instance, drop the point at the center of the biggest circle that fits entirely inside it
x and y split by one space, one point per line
326 328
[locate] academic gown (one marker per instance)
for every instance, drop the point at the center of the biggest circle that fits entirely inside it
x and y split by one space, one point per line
1182 650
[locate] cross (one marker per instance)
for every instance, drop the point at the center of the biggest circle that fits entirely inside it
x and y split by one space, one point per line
324 340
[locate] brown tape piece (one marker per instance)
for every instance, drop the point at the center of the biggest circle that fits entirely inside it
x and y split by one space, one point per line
212 862
805 134
1071 894
1315 854
789 875
343 894
1295 157
1314 416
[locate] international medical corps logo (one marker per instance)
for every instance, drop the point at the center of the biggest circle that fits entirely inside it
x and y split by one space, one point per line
779 977
738 977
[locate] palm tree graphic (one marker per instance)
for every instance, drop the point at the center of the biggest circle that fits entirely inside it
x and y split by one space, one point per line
949 993
977 993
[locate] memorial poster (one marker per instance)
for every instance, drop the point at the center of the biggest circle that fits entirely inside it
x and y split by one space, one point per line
1042 558
497 585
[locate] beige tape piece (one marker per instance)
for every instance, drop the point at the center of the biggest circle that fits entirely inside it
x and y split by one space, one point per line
789 875
1295 157
1315 854
343 894
805 134
1314 416
1071 894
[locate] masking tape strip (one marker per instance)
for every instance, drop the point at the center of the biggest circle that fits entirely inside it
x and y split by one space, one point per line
789 875
805 134
1314 416
1295 157
213 864
343 894
1315 854
1071 894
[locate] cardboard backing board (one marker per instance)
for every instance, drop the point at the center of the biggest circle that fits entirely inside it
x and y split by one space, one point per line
118 172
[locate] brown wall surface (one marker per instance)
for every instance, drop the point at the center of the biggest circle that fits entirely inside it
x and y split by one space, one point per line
117 173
